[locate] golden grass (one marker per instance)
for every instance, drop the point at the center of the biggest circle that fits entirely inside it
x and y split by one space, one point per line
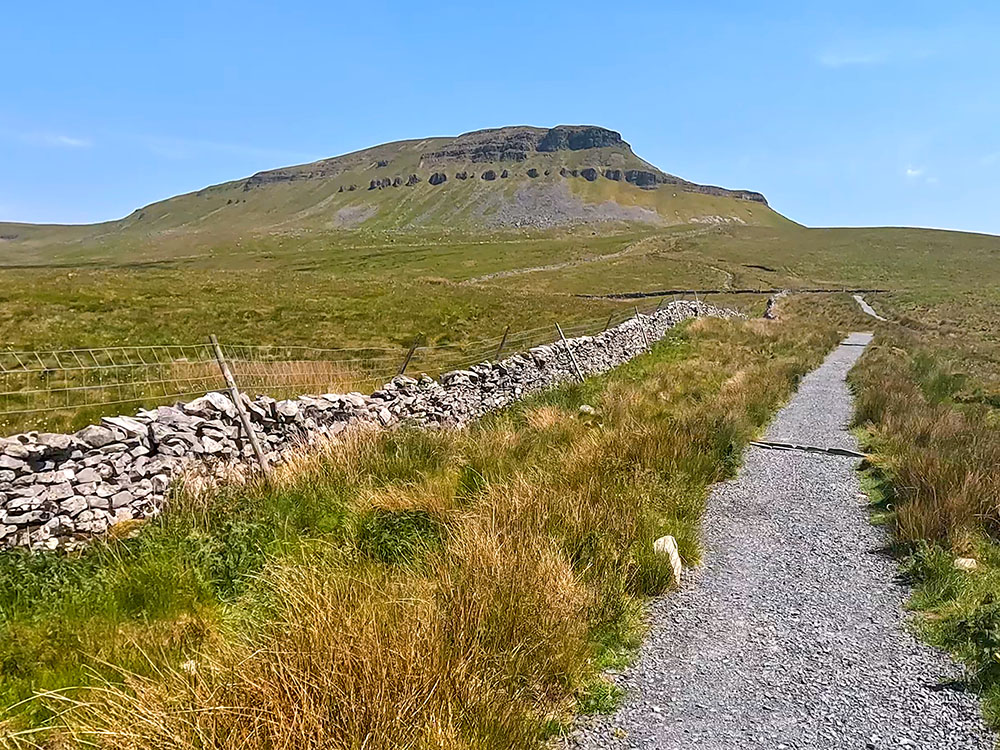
531 550
941 459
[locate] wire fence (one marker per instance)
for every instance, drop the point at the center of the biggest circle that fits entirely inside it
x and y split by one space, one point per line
66 389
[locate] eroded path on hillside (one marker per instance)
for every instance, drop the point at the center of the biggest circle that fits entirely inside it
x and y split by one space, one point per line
633 248
792 634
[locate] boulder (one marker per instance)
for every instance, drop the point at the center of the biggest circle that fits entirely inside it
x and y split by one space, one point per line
59 491
122 498
71 506
489 175
210 404
288 409
174 417
210 446
667 546
13 464
532 172
14 449
412 180
589 174
55 442
96 436
128 425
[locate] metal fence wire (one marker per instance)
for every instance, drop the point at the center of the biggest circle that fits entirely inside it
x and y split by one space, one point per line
67 388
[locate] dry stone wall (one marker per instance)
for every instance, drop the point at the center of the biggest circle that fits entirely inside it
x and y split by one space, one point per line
58 490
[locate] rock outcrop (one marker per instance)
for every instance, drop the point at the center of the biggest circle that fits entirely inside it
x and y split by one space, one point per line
510 144
516 143
641 178
578 137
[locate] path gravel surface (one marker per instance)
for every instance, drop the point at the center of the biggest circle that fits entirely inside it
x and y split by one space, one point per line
866 308
792 634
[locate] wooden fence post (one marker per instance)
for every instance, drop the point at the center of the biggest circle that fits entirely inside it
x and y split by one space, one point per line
496 357
409 356
234 393
572 357
642 328
608 324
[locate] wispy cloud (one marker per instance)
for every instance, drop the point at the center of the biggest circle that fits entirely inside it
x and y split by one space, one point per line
46 139
67 141
919 176
990 159
893 46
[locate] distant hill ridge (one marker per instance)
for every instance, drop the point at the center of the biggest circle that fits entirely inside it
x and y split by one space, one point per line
509 144
498 179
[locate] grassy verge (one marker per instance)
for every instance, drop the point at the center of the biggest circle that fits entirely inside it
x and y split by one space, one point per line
936 483
418 589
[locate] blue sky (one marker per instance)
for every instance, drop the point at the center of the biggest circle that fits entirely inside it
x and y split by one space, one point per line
850 114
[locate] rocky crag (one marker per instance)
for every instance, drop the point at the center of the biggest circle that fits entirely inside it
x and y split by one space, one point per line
498 145
59 490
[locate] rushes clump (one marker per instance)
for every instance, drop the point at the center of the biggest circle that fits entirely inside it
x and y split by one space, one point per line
425 590
935 477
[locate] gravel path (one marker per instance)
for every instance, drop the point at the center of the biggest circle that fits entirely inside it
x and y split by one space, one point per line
792 634
866 308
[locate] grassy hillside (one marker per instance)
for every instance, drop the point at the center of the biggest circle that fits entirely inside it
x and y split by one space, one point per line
486 181
344 289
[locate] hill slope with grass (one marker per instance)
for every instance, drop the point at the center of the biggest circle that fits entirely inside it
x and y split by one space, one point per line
503 178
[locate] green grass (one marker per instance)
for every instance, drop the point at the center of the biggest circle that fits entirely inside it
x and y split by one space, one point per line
347 289
933 484
262 280
515 553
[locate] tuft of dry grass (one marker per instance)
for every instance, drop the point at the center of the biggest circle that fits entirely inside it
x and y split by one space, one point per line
941 459
450 589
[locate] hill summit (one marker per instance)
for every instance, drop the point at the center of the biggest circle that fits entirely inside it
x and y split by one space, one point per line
495 179
578 151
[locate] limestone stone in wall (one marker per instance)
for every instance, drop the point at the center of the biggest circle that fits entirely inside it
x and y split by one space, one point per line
59 490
